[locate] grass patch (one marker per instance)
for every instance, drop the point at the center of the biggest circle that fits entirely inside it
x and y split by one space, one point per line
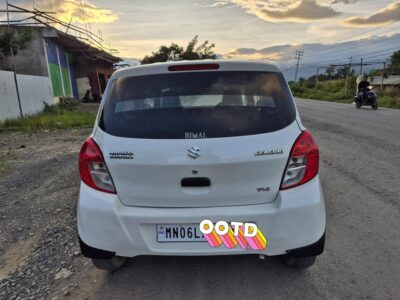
53 117
391 101
4 168
333 91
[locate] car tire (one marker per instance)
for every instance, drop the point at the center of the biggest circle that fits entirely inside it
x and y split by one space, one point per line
109 265
299 262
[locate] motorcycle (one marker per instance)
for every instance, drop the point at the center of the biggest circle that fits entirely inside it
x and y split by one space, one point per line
366 97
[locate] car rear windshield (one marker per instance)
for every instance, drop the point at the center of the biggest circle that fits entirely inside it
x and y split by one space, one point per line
206 104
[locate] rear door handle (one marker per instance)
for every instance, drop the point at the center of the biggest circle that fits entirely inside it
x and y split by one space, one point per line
195 182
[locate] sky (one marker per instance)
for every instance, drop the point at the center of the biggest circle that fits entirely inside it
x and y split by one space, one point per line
138 27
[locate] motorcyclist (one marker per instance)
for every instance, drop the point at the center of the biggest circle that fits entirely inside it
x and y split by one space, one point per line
363 87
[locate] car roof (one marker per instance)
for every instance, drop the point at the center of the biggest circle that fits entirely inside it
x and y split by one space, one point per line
224 65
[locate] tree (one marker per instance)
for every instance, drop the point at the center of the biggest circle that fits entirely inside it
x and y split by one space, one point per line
330 73
175 52
19 42
394 63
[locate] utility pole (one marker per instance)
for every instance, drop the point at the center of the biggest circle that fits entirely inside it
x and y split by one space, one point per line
383 74
299 56
347 76
13 61
361 68
317 80
69 24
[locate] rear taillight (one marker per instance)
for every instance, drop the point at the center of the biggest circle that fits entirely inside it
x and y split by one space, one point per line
303 162
93 169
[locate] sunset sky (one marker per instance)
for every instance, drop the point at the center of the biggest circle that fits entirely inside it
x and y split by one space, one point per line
138 27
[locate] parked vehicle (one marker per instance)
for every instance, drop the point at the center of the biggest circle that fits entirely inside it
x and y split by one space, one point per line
366 97
177 143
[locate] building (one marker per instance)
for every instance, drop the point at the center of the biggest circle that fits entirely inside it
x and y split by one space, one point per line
389 84
72 65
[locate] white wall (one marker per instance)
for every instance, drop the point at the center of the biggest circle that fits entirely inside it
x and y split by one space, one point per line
33 91
8 97
83 85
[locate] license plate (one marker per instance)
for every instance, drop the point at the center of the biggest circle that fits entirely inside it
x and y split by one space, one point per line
170 233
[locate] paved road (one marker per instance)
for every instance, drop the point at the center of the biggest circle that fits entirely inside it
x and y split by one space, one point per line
360 170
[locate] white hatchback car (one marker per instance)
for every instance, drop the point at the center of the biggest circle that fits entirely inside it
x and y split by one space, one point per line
180 142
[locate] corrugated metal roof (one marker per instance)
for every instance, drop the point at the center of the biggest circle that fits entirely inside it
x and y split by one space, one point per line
377 80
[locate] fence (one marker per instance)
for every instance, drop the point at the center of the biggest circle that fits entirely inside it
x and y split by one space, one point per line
33 90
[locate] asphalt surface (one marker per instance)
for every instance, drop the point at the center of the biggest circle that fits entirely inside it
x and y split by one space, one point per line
360 171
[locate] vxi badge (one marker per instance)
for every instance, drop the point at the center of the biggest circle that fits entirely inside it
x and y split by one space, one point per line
121 155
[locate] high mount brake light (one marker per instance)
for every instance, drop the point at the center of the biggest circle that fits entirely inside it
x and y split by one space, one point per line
93 169
303 162
194 67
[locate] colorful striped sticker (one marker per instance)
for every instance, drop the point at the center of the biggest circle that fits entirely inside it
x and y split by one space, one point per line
229 239
258 242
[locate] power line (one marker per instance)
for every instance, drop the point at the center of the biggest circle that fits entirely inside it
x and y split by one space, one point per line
291 67
347 76
45 18
384 50
323 62
381 55
364 32
347 47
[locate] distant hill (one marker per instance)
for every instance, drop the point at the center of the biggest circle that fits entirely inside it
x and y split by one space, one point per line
129 62
375 49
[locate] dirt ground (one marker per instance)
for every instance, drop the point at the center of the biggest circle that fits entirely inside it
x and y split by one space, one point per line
39 253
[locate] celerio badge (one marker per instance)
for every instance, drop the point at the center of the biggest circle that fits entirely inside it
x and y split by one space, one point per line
268 152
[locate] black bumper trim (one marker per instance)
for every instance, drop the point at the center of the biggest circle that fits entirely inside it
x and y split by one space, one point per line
311 250
91 252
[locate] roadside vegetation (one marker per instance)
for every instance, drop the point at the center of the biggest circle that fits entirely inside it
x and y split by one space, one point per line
334 91
61 116
330 90
332 85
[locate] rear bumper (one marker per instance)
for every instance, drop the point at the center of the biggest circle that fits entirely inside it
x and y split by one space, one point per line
296 219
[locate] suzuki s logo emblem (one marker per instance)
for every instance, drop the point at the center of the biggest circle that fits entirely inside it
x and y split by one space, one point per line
194 152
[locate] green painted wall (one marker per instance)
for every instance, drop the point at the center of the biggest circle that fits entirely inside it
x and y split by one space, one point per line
58 60
66 81
56 80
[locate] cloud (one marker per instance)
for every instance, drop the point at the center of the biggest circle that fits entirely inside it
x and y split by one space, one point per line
300 11
254 55
275 53
389 14
317 53
80 11
305 11
344 1
215 4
